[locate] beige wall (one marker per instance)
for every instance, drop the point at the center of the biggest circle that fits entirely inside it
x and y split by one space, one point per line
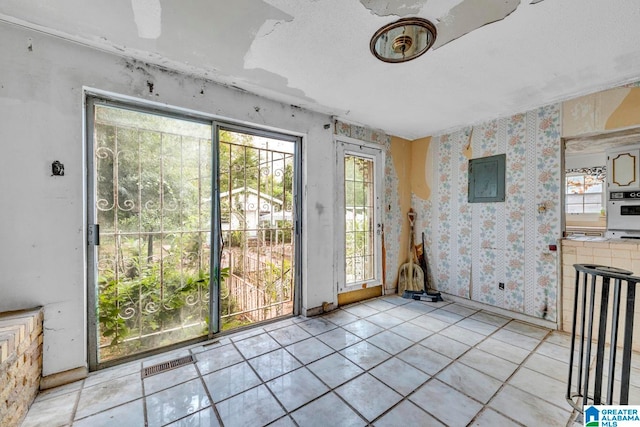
419 159
617 108
403 164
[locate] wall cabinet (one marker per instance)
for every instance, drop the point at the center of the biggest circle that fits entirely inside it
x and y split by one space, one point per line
623 168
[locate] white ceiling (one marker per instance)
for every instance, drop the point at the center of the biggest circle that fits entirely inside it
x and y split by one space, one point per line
315 53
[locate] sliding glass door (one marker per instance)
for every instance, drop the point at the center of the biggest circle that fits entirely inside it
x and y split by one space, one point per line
191 229
257 225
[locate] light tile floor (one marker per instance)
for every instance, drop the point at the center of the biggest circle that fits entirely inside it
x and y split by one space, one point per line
388 361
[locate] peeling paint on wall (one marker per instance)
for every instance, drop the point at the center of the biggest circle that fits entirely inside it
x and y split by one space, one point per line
591 113
393 7
470 15
46 86
360 132
273 30
612 109
628 112
398 197
419 150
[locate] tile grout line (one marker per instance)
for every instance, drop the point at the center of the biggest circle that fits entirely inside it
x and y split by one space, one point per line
359 317
365 371
520 366
83 387
433 377
144 397
432 333
262 382
504 382
331 390
76 403
206 390
341 327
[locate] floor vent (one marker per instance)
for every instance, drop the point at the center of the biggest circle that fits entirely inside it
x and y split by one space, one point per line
166 366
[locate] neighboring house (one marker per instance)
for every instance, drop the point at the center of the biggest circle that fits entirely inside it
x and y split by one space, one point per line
247 208
271 218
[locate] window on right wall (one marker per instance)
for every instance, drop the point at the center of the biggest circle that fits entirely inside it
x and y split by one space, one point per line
584 191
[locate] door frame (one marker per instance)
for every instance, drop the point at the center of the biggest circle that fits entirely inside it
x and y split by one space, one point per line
91 97
375 152
216 244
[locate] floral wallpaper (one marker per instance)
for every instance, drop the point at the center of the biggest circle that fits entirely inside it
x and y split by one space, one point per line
548 186
515 199
393 218
474 246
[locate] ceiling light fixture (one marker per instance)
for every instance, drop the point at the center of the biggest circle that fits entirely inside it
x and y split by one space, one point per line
403 40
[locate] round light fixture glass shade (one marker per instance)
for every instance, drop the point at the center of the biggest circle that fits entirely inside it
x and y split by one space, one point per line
403 40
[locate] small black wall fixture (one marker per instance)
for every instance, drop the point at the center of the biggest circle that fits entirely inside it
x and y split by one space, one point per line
57 169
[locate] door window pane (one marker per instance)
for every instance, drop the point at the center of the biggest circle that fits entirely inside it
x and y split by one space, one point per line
256 200
152 201
359 220
151 192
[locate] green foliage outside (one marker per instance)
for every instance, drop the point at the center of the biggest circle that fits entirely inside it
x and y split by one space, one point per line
154 299
278 280
153 197
359 218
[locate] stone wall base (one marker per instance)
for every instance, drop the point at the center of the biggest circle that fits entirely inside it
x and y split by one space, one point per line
20 363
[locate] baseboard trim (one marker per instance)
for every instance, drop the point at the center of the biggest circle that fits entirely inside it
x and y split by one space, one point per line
62 378
359 295
501 311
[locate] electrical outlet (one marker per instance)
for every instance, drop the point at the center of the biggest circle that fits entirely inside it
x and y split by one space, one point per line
501 286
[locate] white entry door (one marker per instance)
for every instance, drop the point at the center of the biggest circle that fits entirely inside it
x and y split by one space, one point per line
359 169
